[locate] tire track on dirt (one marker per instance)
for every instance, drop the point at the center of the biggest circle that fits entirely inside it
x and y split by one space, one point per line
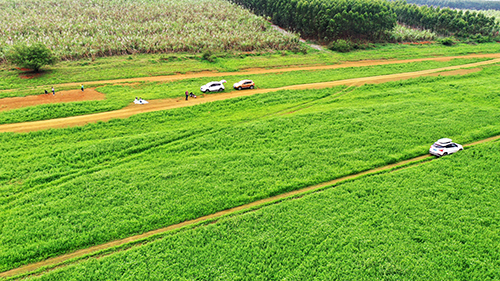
156 105
59 261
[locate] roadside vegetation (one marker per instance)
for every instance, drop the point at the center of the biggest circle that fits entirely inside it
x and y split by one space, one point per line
119 96
438 220
71 188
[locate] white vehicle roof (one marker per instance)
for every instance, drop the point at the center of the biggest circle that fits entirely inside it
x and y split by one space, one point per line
444 141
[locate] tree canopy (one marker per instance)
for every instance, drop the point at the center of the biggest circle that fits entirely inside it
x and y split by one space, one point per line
33 56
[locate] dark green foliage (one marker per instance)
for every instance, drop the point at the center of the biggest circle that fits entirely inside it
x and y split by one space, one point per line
32 57
444 21
460 4
341 45
326 19
208 56
448 41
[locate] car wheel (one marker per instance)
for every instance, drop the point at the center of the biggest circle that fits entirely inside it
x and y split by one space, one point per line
207 90
239 88
251 87
446 153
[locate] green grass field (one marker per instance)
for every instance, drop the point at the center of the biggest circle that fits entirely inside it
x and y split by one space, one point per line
70 188
435 221
119 96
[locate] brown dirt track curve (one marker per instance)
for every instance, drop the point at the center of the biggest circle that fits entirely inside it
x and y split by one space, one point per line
156 105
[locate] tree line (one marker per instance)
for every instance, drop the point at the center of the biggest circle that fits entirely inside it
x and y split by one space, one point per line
328 20
445 21
460 4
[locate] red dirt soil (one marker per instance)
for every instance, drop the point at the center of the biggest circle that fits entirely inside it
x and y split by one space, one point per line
59 97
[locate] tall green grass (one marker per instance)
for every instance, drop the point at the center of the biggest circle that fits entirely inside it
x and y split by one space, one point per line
71 188
436 221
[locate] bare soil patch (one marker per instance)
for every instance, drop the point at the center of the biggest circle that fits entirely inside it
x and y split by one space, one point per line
59 97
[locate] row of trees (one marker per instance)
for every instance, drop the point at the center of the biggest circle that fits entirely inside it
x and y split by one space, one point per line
460 4
444 21
328 20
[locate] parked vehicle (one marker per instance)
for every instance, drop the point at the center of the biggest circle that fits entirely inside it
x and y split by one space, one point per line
244 84
215 86
444 147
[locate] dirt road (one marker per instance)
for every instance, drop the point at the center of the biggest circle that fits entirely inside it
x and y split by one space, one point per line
168 78
156 105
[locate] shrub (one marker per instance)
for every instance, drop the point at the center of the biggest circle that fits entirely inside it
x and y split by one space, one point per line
33 56
341 45
208 56
448 41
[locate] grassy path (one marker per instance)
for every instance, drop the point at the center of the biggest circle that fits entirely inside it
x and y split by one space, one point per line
136 239
156 105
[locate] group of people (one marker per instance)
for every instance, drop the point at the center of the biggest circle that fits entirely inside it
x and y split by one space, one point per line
54 91
190 95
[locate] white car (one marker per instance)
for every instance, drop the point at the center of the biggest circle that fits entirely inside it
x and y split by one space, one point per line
215 86
444 147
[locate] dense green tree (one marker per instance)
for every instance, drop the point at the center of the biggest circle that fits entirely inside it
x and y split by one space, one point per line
33 56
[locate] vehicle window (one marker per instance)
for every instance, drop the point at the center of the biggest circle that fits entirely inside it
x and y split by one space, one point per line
449 145
436 145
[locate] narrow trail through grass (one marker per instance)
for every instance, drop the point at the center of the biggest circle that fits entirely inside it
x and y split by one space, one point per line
63 260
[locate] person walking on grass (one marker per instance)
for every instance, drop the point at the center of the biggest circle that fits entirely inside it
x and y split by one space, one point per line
81 86
187 95
53 91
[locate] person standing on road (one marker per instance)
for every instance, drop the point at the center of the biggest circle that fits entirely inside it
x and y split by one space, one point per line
187 95
53 91
81 86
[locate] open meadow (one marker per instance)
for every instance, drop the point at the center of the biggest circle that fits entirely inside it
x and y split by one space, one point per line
71 188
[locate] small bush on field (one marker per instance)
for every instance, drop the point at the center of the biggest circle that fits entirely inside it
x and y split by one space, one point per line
448 41
208 56
341 45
